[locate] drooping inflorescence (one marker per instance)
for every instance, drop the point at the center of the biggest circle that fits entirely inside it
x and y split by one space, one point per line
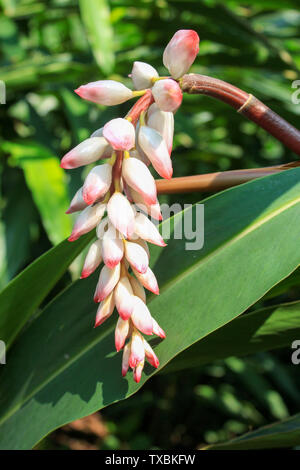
119 193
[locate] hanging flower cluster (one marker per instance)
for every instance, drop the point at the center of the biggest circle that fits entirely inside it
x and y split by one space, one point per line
112 192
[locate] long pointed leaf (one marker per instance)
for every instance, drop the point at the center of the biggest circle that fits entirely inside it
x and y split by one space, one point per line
62 369
263 330
285 433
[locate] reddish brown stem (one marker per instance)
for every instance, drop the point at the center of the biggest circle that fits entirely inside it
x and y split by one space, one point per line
117 170
141 105
212 182
246 104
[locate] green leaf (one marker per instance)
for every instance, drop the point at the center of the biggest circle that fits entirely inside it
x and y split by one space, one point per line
285 433
262 330
20 299
47 182
96 18
61 368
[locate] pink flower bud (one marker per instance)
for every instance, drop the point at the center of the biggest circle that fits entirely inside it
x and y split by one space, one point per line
137 350
137 372
120 133
141 75
106 92
155 148
137 256
138 289
137 175
105 310
77 203
157 330
121 333
167 94
181 52
121 214
146 230
150 354
97 183
153 210
124 298
148 280
92 259
112 248
163 123
141 317
125 359
107 281
87 220
88 151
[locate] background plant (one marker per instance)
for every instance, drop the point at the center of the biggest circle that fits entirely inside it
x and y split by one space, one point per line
47 50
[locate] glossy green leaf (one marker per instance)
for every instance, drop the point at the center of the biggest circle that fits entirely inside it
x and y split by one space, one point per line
62 369
285 433
22 296
262 330
96 18
47 182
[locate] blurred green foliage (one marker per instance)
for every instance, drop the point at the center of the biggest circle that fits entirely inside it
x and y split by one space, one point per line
47 49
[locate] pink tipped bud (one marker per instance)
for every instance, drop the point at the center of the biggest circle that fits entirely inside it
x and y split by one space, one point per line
137 350
137 175
107 281
120 133
142 74
125 359
150 354
97 183
124 298
148 280
87 220
77 203
92 259
141 317
137 372
106 92
137 256
121 214
167 94
138 289
156 150
121 333
181 52
146 230
88 151
112 247
157 330
105 310
163 123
